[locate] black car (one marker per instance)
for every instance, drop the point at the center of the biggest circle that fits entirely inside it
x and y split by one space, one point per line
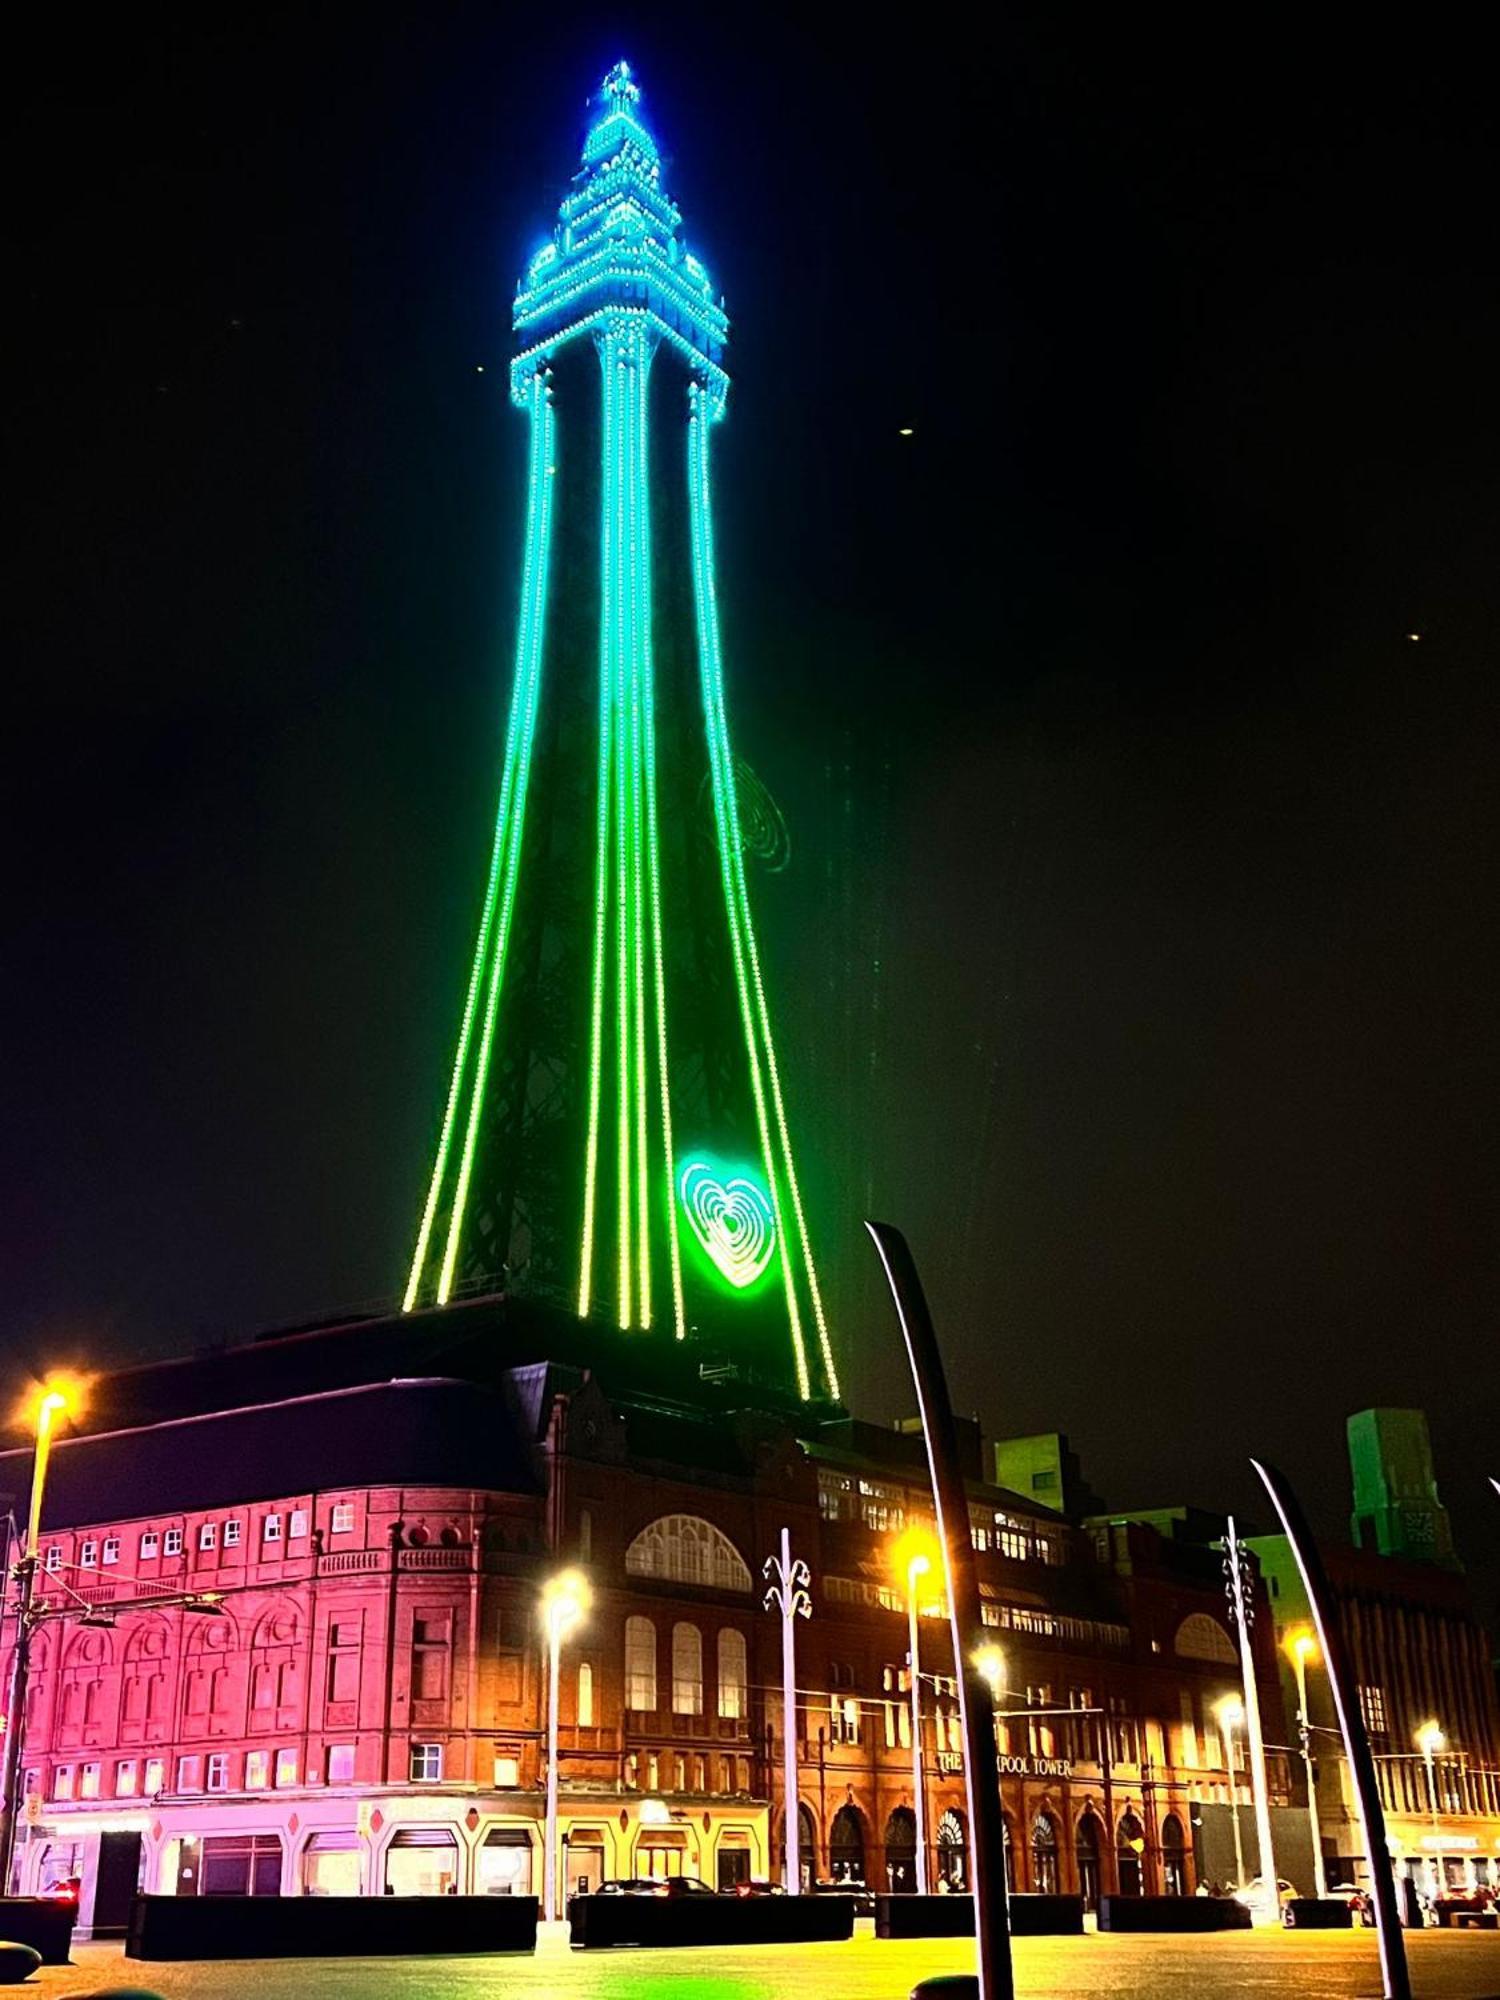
656 1885
864 1896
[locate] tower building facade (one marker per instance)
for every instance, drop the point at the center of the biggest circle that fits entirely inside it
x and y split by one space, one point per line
615 1135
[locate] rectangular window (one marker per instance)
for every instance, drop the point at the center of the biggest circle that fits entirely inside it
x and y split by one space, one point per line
297 1527
1372 1708
271 1528
127 1777
342 1521
172 1542
844 1716
54 1557
155 1776
640 1665
150 1545
257 1770
585 1695
208 1535
62 1782
430 1639
218 1772
507 1773
341 1763
88 1781
286 1768
111 1549
232 1531
88 1556
190 1774
426 1763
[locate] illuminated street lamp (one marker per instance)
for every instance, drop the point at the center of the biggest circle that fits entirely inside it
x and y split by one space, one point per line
565 1603
1229 1713
60 1395
1302 1651
916 1555
990 1662
1432 1743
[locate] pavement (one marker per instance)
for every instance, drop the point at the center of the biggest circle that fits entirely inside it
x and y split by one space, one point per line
1255 1965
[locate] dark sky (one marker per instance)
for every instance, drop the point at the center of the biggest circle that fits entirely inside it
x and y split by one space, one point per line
1137 952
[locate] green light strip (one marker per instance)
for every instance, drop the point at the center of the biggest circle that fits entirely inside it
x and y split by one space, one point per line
614 475
538 534
529 666
722 774
601 902
632 626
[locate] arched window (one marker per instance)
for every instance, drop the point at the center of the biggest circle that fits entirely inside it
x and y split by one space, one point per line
640 1664
952 1850
1087 1841
901 1851
1173 1856
1044 1854
687 1670
1203 1638
733 1673
585 1695
679 1548
1130 1845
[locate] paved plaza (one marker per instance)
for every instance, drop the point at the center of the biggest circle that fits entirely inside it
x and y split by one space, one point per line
1266 1965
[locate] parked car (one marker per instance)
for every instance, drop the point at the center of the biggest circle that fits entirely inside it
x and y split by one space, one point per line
655 1885
1358 1901
751 1888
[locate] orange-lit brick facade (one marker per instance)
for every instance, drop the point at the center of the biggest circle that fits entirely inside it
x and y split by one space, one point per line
364 1711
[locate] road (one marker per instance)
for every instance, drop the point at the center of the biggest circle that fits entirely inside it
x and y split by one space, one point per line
1261 1965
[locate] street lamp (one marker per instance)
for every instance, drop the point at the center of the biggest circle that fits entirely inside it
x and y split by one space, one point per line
790 1593
1432 1743
1229 1713
58 1396
1302 1650
565 1603
989 1661
916 1555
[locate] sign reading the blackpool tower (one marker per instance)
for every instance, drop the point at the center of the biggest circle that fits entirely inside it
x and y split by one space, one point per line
615 1133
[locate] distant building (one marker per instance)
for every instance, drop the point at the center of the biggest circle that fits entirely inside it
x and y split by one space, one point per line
1419 1656
377 1505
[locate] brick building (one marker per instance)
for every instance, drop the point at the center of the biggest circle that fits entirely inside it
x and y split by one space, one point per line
360 1708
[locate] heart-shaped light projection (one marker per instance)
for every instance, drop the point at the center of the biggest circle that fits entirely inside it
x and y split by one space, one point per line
732 1218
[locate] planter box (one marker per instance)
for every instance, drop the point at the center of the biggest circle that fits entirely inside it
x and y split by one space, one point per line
698 1920
1172 1913
1307 1913
328 1926
953 1916
40 1921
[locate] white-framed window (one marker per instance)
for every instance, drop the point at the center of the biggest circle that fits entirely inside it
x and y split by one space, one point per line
218 1771
426 1766
127 1776
171 1542
342 1520
341 1763
286 1768
88 1556
687 1669
232 1533
62 1782
297 1527
155 1777
733 1673
88 1781
271 1528
257 1770
53 1558
150 1545
844 1718
111 1551
190 1774
507 1773
680 1548
208 1535
585 1695
640 1664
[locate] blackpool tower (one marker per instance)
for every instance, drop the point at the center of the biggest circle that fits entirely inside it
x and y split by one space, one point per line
615 1134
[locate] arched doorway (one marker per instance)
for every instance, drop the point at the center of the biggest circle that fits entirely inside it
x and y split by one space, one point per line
1044 1854
901 1851
1173 1857
1130 1845
1087 1843
807 1847
952 1851
846 1845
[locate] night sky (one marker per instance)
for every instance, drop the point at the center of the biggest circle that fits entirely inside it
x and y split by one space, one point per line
1137 954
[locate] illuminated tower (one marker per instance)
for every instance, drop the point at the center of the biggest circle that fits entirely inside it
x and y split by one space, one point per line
615 1133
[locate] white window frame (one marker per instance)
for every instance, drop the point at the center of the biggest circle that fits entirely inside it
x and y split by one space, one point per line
232 1532
52 1561
159 1766
257 1770
110 1553
507 1773
89 1776
150 1547
341 1520
195 1784
127 1777
286 1768
216 1771
62 1781
429 1756
270 1528
208 1536
171 1542
297 1525
88 1556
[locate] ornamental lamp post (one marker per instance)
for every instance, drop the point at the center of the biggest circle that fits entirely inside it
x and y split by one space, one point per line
1229 1713
790 1593
59 1395
916 1555
1302 1650
1432 1743
565 1603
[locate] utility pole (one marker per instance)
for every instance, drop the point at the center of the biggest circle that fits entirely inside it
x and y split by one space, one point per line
1235 1563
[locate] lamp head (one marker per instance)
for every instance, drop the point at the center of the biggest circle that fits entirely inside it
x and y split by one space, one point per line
990 1661
1229 1711
1430 1740
565 1600
1302 1646
60 1393
916 1554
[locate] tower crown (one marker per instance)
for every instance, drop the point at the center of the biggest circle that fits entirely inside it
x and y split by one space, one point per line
618 242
